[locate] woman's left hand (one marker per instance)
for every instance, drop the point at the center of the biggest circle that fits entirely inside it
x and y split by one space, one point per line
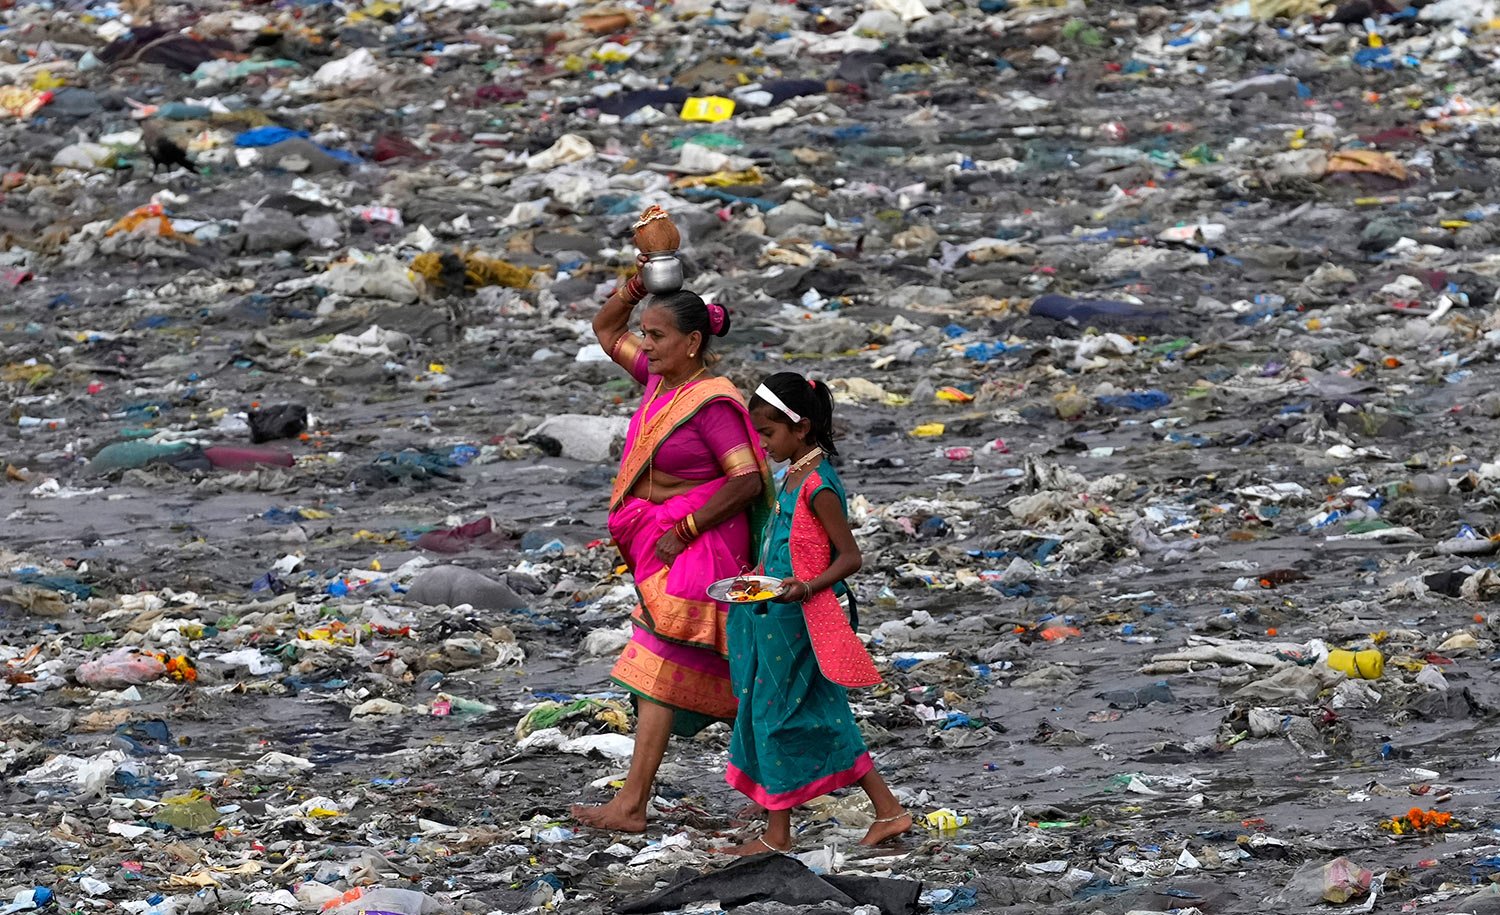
669 547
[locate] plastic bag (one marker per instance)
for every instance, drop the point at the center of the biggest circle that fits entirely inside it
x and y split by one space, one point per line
189 813
347 71
120 668
1337 882
383 899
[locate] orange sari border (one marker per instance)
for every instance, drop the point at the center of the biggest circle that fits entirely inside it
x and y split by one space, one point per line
679 619
665 682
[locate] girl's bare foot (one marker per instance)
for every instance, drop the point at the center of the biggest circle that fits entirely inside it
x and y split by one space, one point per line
754 847
887 828
751 811
616 816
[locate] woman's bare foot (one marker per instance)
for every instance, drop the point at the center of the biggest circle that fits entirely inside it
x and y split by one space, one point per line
616 816
887 828
753 847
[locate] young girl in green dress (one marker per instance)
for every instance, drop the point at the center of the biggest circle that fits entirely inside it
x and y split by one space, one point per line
792 658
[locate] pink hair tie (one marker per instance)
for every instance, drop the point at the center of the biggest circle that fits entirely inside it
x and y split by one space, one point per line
715 318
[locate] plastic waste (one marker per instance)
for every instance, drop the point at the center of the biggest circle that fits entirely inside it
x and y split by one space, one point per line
455 585
128 455
946 820
28 899
356 68
1222 275
551 713
193 812
1365 665
779 879
610 746
88 777
569 148
1137 401
710 108
120 668
581 438
457 539
253 660
277 421
1336 882
371 899
51 424
957 899
1103 312
225 457
1138 698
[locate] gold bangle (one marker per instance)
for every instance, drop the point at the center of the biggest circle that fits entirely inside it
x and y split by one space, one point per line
692 525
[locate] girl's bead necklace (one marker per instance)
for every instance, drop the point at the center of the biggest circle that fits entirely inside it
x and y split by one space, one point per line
806 459
797 466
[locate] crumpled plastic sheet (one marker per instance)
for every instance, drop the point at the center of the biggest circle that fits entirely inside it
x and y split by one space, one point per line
778 878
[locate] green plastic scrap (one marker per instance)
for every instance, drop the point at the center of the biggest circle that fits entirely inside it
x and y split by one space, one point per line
129 455
711 140
1172 346
1083 33
192 812
550 714
1367 526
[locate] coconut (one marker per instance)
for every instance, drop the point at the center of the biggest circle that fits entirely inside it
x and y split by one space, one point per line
654 232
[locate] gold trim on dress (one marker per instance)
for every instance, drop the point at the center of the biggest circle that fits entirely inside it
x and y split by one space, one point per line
632 345
740 460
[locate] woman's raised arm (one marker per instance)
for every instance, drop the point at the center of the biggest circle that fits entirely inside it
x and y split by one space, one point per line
613 320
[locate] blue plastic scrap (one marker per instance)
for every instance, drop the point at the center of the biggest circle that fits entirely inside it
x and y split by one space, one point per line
269 136
1137 401
958 899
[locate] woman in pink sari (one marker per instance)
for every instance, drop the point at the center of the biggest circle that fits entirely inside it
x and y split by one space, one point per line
690 479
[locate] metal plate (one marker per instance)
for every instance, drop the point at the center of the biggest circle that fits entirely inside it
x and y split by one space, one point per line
719 590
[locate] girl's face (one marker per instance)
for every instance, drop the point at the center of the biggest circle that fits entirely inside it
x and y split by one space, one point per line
781 440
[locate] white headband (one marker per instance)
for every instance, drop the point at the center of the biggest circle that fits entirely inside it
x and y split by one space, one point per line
764 393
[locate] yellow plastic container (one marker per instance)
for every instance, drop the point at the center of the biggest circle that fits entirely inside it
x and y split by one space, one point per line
946 820
1358 665
711 108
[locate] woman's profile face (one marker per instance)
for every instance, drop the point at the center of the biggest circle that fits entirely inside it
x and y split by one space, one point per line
666 347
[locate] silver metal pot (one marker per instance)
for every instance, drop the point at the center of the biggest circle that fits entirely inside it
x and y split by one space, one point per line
662 273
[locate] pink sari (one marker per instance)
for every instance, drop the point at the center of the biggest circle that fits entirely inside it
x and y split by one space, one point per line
677 653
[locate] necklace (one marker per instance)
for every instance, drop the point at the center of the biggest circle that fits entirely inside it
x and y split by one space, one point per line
798 465
678 385
804 460
654 424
